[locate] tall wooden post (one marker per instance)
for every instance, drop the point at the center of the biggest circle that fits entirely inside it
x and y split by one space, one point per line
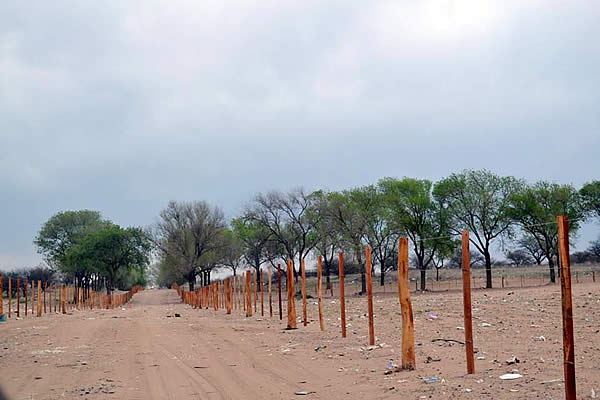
370 296
1 295
39 298
25 285
254 288
279 291
291 297
303 275
64 293
270 293
32 296
567 308
18 297
408 330
466 266
319 290
248 294
342 294
228 295
9 296
45 290
262 292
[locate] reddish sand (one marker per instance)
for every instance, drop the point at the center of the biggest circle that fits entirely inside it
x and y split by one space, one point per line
144 352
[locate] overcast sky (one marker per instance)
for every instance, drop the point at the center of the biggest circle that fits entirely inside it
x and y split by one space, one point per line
120 106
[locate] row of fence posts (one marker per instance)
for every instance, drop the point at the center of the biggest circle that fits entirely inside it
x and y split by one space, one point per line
241 292
66 297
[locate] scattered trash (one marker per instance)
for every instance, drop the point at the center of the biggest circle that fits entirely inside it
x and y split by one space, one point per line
513 360
508 377
468 390
319 348
485 325
432 379
551 381
539 339
303 393
3 318
391 365
431 359
481 358
177 315
594 395
432 316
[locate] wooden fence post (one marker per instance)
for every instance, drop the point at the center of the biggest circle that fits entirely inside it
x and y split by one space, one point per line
9 296
303 275
1 295
64 306
567 308
248 294
342 294
270 294
262 292
408 330
291 297
319 290
254 288
18 297
39 295
25 284
32 296
45 290
370 295
228 295
466 265
279 291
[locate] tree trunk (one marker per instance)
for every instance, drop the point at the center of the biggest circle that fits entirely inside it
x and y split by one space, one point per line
488 269
363 281
551 268
382 277
191 280
437 274
423 277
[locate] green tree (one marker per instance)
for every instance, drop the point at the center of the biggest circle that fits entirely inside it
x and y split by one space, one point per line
477 201
232 251
590 193
64 230
254 237
416 213
190 234
535 208
112 250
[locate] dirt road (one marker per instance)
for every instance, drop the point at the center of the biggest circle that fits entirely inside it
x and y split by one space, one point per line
145 352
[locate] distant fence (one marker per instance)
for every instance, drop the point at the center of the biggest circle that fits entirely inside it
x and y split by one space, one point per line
36 298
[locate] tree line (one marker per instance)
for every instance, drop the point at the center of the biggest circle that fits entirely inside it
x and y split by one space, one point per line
82 248
194 238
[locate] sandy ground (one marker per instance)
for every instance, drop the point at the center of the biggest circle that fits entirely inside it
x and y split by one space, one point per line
145 352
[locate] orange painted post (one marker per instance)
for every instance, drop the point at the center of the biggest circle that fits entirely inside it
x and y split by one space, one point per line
32 303
45 290
39 298
64 293
50 298
342 294
576 277
270 293
248 294
9 296
466 265
1 295
25 284
319 290
370 296
18 297
216 296
593 276
243 292
254 288
303 275
279 291
262 293
408 329
228 295
567 308
291 299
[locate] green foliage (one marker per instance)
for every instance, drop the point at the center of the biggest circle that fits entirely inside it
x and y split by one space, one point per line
590 193
535 208
63 231
110 251
477 201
